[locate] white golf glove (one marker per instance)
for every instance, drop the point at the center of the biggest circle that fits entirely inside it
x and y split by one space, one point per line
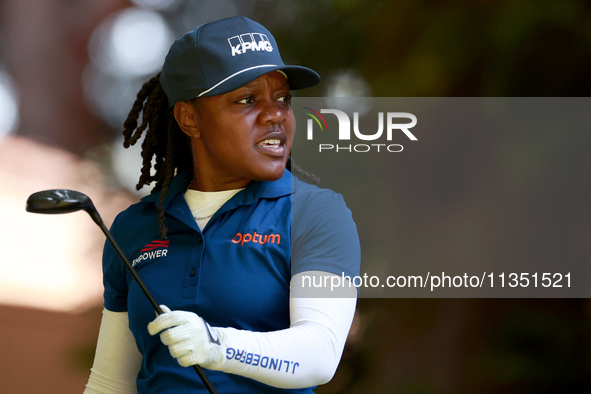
189 338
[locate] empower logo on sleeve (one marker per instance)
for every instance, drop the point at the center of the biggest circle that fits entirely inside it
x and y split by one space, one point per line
153 250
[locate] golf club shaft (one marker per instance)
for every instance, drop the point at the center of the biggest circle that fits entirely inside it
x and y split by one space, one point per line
157 308
131 269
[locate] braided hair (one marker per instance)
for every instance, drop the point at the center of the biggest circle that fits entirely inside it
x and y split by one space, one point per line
166 148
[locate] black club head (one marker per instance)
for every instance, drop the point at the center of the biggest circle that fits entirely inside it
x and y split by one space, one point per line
58 201
62 201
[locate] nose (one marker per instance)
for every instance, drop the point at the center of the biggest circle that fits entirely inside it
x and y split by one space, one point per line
273 112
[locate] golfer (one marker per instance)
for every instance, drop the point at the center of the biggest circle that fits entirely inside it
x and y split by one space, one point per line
228 239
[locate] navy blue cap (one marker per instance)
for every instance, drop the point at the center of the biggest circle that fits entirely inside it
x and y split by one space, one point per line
221 56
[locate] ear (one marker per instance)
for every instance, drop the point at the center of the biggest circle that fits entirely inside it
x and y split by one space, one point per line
186 117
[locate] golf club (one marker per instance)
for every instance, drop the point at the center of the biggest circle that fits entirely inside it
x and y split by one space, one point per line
66 201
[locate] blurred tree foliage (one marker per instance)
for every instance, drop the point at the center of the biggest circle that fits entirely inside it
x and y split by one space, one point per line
450 48
441 48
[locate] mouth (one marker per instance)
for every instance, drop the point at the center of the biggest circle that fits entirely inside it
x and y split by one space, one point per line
273 145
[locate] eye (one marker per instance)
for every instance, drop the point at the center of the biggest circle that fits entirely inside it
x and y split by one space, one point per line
285 99
247 100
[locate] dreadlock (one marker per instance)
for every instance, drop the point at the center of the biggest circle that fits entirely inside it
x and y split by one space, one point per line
166 148
300 173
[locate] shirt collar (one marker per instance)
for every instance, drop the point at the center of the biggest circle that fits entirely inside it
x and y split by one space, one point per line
254 190
179 184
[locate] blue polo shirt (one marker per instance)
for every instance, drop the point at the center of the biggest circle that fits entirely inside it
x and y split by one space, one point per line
234 273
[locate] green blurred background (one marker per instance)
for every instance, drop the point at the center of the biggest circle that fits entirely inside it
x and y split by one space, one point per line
402 48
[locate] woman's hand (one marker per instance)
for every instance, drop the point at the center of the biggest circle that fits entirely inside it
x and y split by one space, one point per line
189 338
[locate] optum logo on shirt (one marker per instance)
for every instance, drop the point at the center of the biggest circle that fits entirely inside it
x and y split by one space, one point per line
241 239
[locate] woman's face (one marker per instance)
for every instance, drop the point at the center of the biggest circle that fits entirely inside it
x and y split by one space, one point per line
243 135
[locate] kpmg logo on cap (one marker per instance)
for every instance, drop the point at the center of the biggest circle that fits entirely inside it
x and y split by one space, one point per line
249 41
